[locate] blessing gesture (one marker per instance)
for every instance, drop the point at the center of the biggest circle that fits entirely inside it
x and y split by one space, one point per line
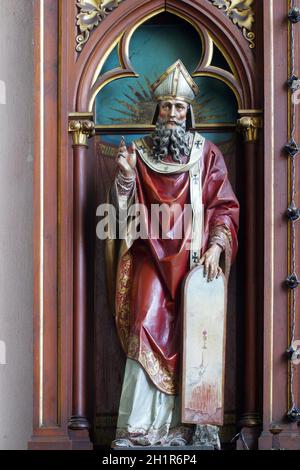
125 160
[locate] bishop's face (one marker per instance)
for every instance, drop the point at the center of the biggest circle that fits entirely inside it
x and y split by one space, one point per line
173 112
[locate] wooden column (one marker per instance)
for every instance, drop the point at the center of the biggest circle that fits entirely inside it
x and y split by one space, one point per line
250 420
81 130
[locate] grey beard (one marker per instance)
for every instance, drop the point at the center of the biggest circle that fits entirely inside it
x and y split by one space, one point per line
174 142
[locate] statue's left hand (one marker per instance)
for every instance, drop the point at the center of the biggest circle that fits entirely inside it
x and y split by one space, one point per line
210 261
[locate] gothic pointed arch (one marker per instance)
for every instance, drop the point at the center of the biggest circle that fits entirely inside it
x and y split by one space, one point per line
130 14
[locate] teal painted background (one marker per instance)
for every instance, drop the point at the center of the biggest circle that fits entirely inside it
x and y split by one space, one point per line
153 48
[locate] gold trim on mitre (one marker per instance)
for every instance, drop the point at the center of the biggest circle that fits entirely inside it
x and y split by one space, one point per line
175 82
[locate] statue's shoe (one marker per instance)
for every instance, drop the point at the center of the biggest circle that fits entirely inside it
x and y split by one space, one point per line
178 441
118 443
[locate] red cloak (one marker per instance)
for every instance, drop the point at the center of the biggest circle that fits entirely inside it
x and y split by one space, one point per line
150 274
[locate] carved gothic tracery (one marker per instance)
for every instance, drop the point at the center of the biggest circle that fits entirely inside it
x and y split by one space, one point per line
241 14
91 13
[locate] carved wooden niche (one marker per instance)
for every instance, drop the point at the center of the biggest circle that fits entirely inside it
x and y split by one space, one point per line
106 53
121 102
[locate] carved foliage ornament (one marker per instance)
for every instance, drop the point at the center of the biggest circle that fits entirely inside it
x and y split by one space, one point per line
91 13
241 14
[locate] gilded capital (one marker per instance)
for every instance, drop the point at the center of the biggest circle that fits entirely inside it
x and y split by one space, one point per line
81 131
249 126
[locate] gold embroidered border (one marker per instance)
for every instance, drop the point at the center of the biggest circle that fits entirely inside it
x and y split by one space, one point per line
123 299
163 378
133 347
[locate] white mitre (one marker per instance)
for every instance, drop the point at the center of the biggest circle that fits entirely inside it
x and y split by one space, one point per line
175 82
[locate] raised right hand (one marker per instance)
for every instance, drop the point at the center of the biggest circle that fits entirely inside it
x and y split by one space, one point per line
125 160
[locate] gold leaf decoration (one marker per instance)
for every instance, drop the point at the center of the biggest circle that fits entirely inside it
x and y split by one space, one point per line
91 13
241 14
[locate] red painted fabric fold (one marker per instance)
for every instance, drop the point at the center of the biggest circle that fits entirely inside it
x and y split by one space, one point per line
158 266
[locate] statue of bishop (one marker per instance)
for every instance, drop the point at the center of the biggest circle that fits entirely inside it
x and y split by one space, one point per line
173 167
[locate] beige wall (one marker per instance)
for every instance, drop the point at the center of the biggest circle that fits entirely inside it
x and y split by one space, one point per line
16 181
